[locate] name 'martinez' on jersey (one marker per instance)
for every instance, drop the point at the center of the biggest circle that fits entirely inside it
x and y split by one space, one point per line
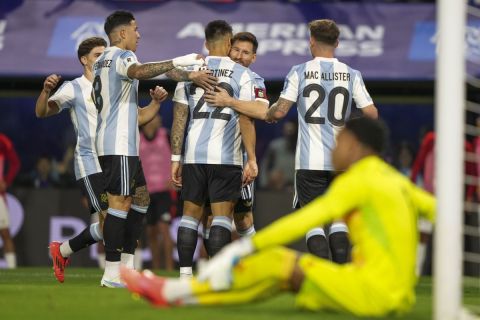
116 99
323 89
213 134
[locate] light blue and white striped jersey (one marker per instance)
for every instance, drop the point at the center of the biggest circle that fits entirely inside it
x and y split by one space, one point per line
116 98
323 89
76 96
213 135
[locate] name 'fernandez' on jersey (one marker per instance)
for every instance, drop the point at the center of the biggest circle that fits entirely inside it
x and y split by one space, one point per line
213 134
323 89
117 102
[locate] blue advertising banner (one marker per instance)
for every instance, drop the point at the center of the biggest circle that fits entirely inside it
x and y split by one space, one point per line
384 41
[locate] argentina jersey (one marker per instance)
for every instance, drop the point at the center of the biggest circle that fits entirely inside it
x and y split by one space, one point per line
323 89
213 134
116 99
76 97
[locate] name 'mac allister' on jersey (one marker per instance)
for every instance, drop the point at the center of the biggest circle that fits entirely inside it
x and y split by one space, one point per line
323 89
116 99
213 134
76 96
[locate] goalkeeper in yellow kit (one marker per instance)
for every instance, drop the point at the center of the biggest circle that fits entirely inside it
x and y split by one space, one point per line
381 208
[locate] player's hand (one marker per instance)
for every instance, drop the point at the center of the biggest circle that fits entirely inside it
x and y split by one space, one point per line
218 97
204 79
191 59
177 174
51 82
3 186
250 172
218 270
158 94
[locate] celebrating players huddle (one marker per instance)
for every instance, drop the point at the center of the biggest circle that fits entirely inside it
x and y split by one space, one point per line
214 164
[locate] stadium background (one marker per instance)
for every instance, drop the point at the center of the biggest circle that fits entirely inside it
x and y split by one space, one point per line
391 42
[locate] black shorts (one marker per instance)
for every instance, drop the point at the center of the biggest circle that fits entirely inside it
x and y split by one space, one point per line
245 203
123 174
93 187
161 208
216 182
309 184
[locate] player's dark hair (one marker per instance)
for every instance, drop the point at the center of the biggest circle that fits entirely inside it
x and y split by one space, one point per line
217 29
118 18
88 44
248 37
371 133
325 31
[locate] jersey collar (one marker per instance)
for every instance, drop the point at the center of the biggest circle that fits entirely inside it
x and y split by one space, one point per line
326 59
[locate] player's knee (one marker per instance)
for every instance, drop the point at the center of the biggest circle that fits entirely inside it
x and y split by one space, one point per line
141 197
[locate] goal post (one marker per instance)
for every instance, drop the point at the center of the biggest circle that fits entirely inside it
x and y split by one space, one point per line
449 157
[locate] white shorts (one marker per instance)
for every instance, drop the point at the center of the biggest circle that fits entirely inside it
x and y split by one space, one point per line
4 218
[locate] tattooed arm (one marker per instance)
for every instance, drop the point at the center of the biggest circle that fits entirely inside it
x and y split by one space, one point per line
278 110
149 70
203 78
180 116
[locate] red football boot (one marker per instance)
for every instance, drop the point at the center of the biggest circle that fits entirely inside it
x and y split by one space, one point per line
59 262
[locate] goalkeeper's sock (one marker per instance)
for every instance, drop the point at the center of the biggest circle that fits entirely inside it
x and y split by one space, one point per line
91 235
317 243
187 238
220 234
114 234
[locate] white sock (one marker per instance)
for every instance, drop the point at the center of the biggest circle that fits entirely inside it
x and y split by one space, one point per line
421 254
11 259
65 249
112 271
101 260
186 272
137 259
250 232
127 260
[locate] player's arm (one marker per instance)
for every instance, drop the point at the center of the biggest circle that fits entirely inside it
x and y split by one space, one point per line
202 78
278 110
344 196
180 117
152 69
147 113
424 202
43 107
220 98
362 97
247 129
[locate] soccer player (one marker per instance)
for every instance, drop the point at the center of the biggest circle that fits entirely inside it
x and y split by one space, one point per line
243 51
381 208
8 158
115 90
323 89
76 97
212 164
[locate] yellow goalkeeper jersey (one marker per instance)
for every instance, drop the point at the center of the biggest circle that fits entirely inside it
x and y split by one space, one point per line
381 208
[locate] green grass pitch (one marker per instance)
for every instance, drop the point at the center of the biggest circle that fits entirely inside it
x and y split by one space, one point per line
34 293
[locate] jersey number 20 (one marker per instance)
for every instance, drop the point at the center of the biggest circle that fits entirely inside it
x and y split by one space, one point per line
331 104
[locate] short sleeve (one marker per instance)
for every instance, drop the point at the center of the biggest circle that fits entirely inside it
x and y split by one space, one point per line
260 89
125 61
290 86
180 95
360 94
64 96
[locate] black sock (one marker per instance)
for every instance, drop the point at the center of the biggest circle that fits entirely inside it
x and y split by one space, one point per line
133 231
187 237
317 245
113 234
85 239
340 246
220 234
